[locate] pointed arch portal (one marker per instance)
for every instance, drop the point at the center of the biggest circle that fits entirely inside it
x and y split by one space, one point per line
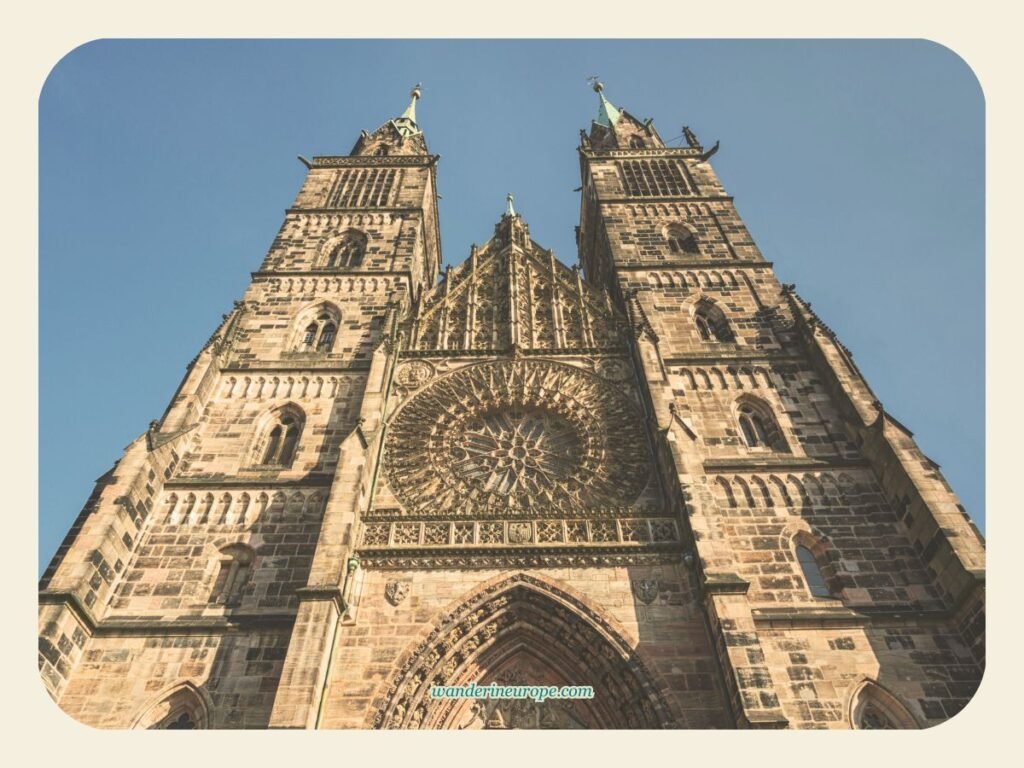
523 631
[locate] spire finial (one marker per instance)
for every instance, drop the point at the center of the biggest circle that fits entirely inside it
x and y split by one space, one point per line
510 211
607 114
410 111
406 123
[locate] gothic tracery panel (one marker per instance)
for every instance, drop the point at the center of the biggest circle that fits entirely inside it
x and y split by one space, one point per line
517 438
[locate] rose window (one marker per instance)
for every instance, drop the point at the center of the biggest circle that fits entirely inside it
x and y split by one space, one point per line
517 451
517 437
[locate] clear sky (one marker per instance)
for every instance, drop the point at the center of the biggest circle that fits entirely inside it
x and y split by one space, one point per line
166 166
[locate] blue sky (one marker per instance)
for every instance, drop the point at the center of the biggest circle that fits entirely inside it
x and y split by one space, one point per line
166 166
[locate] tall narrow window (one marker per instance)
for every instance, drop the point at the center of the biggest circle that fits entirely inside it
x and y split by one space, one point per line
273 446
326 339
712 325
309 337
758 427
636 142
753 427
319 333
281 437
703 329
812 573
348 254
382 151
235 568
681 241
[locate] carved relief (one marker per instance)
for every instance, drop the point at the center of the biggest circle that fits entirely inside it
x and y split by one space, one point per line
471 643
520 533
516 437
396 591
616 370
646 590
414 374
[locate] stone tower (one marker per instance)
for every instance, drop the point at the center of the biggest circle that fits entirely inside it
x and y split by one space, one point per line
660 475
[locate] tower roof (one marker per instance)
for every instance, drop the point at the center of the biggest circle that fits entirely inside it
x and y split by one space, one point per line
398 136
607 113
406 122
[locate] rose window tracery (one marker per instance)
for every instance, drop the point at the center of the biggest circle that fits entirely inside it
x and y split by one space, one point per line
516 451
516 437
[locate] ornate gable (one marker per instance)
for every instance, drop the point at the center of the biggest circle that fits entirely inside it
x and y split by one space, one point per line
514 294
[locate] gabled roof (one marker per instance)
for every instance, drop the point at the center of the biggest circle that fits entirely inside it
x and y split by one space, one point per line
512 293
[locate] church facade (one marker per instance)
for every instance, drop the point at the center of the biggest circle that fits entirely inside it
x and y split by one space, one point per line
657 473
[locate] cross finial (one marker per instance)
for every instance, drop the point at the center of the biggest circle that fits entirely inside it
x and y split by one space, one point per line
596 84
416 91
511 211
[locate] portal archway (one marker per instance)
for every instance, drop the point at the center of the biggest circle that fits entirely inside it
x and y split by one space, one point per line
522 630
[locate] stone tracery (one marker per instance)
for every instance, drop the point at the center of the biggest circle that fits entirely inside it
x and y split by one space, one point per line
517 437
516 624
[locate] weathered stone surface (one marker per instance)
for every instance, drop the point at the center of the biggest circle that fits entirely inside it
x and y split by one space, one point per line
372 480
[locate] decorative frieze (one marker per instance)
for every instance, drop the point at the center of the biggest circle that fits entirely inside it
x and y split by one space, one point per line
398 534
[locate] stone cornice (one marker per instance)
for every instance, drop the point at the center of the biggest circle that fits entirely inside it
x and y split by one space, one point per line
392 161
692 264
241 481
286 366
725 584
70 599
365 209
602 154
736 356
268 274
612 351
322 593
148 625
840 616
647 199
193 625
520 557
772 462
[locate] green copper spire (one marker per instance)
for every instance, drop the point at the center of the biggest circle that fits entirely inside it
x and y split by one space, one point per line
406 124
607 114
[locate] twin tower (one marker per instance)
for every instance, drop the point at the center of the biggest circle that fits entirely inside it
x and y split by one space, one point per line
658 474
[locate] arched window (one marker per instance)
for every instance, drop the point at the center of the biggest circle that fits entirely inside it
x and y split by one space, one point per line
752 424
281 435
319 332
712 324
348 254
681 241
235 570
636 142
703 328
875 709
758 427
326 340
183 708
182 722
812 573
382 151
309 338
874 719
